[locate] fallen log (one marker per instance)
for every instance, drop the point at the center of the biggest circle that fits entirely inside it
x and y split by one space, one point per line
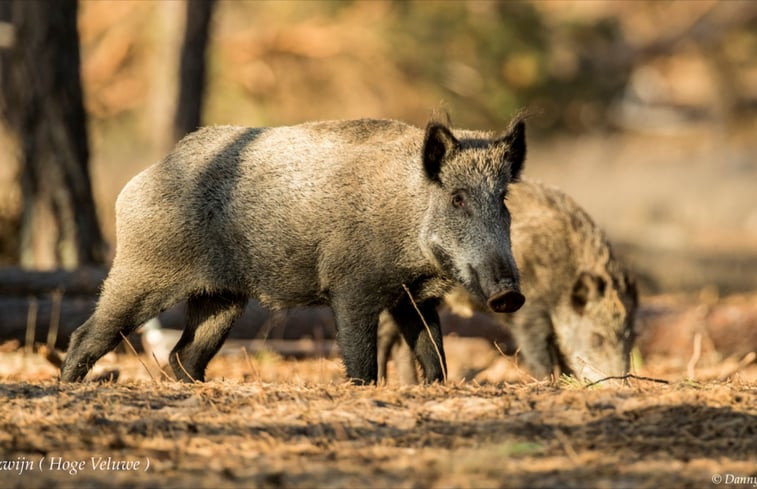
76 295
660 270
21 282
256 322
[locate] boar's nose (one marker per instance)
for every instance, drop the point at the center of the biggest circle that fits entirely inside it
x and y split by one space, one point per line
508 300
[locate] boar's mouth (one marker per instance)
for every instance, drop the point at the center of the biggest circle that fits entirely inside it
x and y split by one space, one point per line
508 300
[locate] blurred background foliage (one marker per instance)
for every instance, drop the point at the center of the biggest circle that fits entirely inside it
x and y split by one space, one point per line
587 71
573 63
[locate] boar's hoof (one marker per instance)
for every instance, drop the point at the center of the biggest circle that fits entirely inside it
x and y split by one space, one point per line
506 301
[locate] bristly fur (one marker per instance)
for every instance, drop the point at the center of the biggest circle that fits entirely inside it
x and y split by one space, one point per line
331 212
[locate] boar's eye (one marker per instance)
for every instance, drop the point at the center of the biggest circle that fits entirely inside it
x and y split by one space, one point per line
597 340
458 199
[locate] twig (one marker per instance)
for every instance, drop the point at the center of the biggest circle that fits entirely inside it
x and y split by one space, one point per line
694 355
515 361
31 325
516 356
253 370
746 360
178 360
131 347
428 330
52 331
168 377
109 376
628 376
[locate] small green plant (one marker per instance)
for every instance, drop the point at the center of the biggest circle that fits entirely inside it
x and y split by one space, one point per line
520 448
637 360
570 382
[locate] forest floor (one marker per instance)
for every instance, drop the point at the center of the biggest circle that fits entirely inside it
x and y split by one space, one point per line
265 421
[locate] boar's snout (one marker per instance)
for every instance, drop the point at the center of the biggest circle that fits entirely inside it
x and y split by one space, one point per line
509 300
500 288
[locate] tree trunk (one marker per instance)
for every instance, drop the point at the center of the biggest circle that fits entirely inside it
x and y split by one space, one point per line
42 104
192 69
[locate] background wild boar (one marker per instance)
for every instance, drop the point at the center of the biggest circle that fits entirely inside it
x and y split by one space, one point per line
338 212
579 315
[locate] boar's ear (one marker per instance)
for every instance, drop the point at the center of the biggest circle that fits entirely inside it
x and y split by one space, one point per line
587 287
438 144
515 142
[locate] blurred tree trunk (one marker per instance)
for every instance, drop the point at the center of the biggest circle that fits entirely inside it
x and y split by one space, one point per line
192 69
41 100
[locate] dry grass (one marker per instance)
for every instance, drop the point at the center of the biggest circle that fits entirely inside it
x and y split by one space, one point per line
269 422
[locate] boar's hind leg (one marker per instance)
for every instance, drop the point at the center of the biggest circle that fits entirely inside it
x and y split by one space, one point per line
433 362
209 320
120 310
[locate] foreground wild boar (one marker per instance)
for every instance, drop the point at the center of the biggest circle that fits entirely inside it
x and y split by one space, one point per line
342 213
581 302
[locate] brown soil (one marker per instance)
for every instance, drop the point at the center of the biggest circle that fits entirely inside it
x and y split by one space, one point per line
263 421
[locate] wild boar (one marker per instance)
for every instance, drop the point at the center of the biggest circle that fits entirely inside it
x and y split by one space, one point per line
342 213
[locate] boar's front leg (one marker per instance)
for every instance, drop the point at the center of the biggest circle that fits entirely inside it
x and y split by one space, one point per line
535 337
428 349
357 325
